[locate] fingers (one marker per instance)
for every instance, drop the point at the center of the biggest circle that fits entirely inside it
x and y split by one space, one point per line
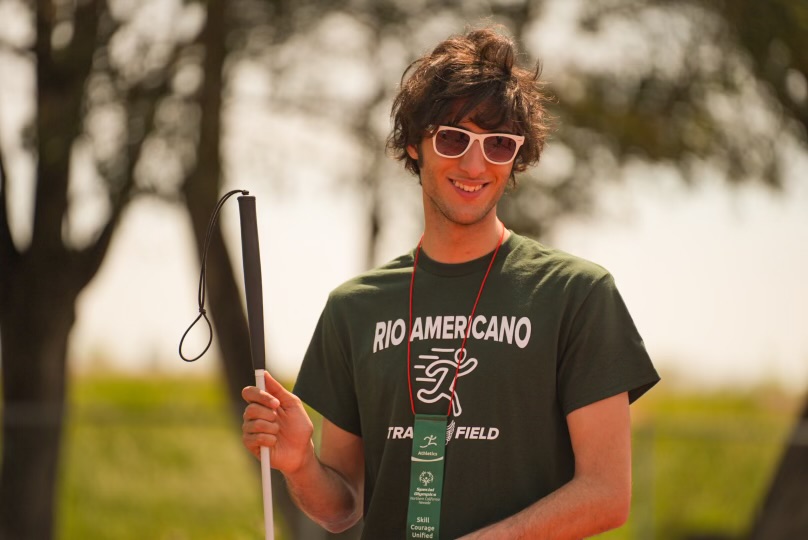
254 441
259 411
253 394
275 418
260 428
274 396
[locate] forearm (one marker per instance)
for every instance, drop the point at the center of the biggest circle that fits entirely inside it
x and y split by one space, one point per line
598 497
324 495
579 509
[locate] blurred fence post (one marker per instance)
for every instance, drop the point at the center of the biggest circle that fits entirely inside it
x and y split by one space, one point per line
784 513
644 498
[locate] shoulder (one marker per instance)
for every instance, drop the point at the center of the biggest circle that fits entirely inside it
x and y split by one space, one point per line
373 283
529 257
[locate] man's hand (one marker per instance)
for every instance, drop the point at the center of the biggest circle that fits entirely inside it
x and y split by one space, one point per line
276 419
328 489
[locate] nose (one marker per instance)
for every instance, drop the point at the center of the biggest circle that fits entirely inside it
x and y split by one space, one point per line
473 162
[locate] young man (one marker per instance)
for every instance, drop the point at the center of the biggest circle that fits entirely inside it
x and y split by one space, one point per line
478 386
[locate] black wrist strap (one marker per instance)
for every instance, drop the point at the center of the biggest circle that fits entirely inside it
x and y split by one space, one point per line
202 277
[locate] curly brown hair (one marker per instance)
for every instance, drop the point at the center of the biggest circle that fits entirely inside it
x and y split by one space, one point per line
473 73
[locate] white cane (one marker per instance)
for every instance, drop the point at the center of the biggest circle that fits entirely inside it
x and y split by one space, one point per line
255 317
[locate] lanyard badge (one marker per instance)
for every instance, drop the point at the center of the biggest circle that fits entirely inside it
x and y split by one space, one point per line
429 435
426 476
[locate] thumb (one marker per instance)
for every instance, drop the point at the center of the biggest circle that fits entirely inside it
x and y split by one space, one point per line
275 388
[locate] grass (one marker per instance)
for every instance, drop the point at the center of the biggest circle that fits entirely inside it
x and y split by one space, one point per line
157 459
160 458
703 462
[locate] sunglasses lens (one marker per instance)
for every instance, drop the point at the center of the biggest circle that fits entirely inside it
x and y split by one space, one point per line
451 143
499 149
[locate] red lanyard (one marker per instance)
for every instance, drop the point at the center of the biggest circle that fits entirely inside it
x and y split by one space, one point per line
462 355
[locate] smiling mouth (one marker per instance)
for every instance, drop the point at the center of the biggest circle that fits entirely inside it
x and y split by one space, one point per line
467 188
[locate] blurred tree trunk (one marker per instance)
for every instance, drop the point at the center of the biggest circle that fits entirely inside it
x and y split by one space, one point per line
39 286
202 190
35 319
785 511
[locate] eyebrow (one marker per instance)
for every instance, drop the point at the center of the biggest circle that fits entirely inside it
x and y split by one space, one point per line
497 130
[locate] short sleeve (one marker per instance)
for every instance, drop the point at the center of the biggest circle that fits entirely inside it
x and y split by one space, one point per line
325 381
602 353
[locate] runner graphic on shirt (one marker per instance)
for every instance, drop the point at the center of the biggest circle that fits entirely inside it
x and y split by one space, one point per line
438 372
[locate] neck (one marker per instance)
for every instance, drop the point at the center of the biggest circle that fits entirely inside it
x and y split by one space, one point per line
453 243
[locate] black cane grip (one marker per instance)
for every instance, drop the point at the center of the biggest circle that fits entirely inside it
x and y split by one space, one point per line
251 257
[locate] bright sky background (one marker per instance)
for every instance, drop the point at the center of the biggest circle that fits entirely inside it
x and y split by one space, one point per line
715 279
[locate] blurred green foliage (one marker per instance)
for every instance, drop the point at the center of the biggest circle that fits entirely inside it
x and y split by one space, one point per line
160 458
703 460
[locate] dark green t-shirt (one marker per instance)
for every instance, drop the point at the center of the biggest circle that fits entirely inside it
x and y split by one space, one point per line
551 334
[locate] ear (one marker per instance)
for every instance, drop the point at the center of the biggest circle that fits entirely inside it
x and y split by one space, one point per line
412 151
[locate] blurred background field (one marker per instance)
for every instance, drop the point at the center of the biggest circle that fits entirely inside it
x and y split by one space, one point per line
155 458
160 458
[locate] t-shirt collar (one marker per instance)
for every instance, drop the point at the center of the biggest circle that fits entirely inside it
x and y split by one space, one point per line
479 264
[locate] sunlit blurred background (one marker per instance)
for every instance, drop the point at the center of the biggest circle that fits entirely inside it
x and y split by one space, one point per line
679 162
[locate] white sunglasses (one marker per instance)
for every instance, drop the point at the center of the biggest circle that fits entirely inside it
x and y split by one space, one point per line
498 148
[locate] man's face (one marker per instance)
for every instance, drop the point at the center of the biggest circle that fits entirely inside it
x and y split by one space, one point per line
463 190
